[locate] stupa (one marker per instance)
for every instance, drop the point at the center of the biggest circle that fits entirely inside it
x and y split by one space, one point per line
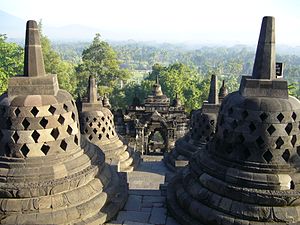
203 124
48 173
97 125
249 172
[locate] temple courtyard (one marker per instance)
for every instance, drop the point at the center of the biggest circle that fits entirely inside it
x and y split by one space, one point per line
146 203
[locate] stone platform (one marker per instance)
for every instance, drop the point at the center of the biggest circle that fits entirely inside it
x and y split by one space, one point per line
146 203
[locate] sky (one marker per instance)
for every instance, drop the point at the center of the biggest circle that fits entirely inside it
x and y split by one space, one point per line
211 21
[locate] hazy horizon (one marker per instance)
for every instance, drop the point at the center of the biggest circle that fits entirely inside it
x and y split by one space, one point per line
177 21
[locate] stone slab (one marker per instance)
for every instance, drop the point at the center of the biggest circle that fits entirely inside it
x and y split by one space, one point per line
158 216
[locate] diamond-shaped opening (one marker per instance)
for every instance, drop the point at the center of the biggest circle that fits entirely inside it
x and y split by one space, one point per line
288 128
17 111
8 122
109 128
35 135
212 122
99 124
90 124
246 153
234 124
279 142
245 114
268 156
294 140
241 138
86 130
95 131
73 104
271 129
292 185
25 124
263 116
94 119
24 150
286 155
106 123
260 141
65 107
99 136
69 130
61 119
16 137
63 145
52 109
103 129
294 116
107 135
54 133
102 118
86 119
221 120
225 133
298 150
110 121
280 117
91 137
45 149
34 111
76 140
44 122
73 116
252 127
113 133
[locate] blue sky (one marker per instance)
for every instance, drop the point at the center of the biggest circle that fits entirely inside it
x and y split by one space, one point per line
215 21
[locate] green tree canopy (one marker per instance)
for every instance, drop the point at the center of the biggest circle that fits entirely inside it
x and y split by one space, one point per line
11 61
100 59
55 65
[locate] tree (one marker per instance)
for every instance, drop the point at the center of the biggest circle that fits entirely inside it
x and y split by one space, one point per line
11 61
55 65
100 59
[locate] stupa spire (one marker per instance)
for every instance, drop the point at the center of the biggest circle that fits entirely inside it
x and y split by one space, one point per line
33 60
213 94
92 90
264 64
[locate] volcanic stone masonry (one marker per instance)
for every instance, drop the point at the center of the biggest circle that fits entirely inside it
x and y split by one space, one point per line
97 125
203 124
249 172
48 173
157 116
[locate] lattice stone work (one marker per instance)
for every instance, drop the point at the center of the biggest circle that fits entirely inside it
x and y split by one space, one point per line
48 173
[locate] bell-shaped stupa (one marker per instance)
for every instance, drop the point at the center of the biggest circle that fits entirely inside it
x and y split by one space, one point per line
97 125
48 173
203 124
249 172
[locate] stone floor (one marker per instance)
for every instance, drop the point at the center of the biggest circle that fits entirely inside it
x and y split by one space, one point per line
146 203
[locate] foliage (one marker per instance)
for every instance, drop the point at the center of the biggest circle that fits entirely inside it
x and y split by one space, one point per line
11 61
100 59
55 65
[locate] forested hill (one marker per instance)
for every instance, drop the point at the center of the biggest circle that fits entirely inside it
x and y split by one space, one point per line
206 59
124 70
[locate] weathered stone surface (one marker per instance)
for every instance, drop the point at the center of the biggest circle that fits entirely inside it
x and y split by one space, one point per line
143 123
249 172
203 124
97 125
48 173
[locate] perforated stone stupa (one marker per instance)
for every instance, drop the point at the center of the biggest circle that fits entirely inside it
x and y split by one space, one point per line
97 125
249 172
48 173
203 124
